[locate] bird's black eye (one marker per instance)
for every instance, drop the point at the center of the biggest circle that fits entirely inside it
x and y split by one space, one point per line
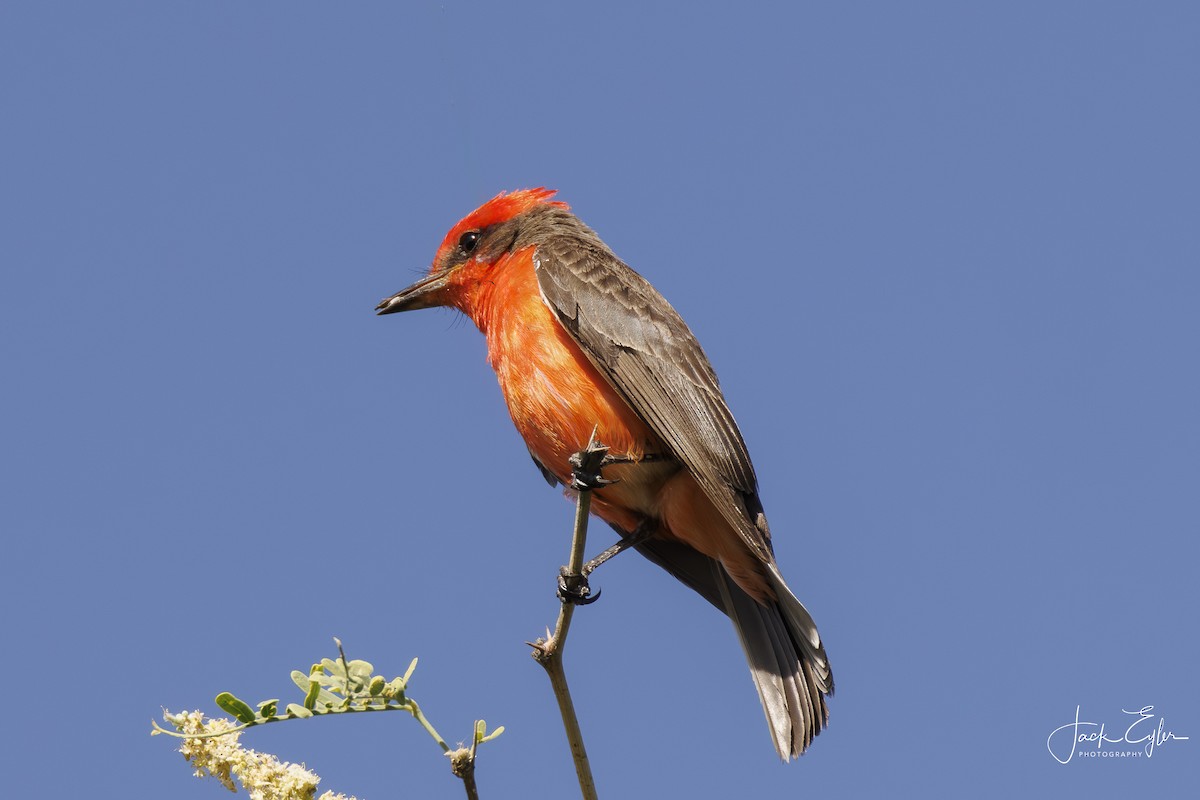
468 241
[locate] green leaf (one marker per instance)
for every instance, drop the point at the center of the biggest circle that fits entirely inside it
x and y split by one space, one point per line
268 708
395 690
232 705
360 674
314 691
303 682
297 711
481 734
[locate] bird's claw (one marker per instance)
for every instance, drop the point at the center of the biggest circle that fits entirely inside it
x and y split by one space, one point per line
587 464
573 588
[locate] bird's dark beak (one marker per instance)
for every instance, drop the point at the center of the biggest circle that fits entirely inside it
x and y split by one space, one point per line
425 293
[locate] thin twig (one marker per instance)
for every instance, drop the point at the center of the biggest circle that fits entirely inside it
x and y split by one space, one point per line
415 710
549 653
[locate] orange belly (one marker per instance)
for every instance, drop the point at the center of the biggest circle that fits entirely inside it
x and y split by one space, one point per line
554 394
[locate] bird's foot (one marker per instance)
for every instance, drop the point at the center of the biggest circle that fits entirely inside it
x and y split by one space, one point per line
573 588
588 463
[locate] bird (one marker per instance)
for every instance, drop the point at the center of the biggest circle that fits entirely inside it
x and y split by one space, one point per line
583 346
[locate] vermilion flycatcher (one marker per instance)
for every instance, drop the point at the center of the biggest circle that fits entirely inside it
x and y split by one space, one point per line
581 343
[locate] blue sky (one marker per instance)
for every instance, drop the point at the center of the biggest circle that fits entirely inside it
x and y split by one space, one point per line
945 259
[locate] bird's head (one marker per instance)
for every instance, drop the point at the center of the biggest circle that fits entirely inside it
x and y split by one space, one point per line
470 248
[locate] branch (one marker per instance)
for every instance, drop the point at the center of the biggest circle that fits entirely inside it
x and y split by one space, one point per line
573 590
332 687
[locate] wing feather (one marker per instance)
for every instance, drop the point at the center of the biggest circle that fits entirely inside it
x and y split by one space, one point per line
645 350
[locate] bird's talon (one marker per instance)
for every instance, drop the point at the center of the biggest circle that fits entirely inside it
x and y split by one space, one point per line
573 588
589 483
586 466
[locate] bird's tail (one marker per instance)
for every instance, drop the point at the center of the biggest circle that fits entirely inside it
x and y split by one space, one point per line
780 639
787 661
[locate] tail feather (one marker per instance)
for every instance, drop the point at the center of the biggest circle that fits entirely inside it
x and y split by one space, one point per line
784 651
792 676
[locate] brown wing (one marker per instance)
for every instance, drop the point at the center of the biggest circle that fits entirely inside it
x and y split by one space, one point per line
646 351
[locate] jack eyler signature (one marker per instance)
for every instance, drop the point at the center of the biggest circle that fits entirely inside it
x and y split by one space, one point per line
1081 735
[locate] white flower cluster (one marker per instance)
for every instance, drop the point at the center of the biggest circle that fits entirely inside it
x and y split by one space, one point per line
263 775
